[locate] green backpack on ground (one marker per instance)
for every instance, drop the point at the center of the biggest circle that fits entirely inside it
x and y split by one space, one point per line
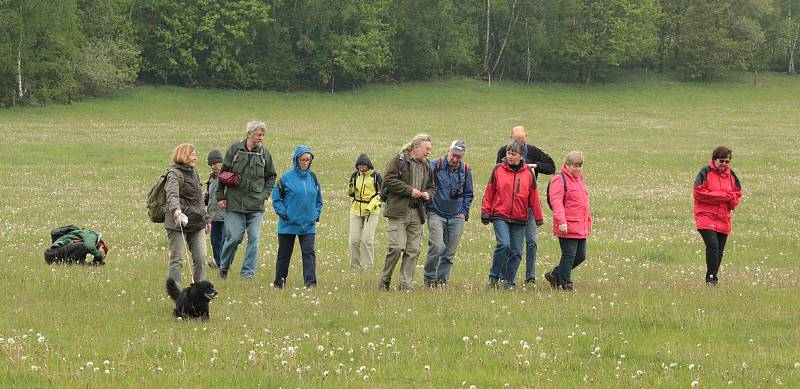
157 197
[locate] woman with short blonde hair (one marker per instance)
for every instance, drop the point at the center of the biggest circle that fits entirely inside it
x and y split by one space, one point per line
186 218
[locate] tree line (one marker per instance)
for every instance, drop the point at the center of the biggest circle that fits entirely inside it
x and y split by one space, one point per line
58 50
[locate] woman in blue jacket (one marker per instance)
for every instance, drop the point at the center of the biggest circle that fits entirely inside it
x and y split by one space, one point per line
297 200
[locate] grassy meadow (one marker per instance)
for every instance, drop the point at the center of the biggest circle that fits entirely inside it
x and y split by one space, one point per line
641 316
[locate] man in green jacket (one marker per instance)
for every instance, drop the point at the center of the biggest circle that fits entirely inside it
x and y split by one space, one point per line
75 245
409 183
244 204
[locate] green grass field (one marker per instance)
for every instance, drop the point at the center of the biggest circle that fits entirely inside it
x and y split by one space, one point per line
641 316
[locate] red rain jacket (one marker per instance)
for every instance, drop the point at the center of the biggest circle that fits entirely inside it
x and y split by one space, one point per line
572 209
716 194
509 194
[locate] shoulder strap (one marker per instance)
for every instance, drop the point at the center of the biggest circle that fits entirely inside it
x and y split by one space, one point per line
736 179
702 176
177 173
316 182
377 181
564 181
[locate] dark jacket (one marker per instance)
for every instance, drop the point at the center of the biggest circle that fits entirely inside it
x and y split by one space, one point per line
533 154
716 194
447 180
215 213
87 238
256 174
297 199
187 195
399 188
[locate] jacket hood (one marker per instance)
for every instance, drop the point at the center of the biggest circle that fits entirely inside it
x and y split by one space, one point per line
363 159
298 151
722 172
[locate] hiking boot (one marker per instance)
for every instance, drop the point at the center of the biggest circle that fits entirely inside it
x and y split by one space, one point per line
223 274
212 264
530 281
568 287
493 285
551 279
384 286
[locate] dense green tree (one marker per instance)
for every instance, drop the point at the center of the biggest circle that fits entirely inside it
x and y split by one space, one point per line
610 33
432 39
39 44
343 43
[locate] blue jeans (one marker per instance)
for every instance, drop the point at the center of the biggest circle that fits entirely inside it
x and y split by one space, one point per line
285 249
507 251
236 223
573 252
531 247
217 240
443 237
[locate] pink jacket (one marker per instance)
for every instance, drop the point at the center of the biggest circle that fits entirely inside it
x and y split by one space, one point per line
716 194
572 210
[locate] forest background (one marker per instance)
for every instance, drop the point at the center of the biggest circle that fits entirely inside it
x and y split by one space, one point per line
57 51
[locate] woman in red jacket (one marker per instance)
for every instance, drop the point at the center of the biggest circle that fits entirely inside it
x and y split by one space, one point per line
716 193
509 194
572 219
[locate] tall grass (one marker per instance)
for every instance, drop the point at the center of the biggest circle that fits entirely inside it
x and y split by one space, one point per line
641 316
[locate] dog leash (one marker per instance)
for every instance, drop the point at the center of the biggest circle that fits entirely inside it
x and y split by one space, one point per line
185 250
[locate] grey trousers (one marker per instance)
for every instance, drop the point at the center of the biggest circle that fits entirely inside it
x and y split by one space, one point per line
404 240
196 242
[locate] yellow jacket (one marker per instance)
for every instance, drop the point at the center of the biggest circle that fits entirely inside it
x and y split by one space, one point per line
366 200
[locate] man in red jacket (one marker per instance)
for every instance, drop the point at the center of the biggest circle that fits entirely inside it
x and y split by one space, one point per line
717 192
510 193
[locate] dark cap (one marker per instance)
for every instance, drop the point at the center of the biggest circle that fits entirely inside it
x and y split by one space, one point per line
458 147
214 156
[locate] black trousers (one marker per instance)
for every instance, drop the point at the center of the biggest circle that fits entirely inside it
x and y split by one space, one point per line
715 246
309 258
69 253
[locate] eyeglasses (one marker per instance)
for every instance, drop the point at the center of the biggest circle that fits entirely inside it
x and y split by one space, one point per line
725 161
304 159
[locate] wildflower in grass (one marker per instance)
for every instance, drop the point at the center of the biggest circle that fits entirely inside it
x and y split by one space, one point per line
34 368
320 348
695 383
41 339
797 365
488 343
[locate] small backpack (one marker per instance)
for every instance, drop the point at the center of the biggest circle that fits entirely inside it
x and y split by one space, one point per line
377 180
440 164
58 232
157 197
564 181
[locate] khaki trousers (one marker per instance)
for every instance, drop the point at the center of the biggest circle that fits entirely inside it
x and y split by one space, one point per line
362 240
404 240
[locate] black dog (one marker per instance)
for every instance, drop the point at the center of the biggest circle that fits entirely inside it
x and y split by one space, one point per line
191 302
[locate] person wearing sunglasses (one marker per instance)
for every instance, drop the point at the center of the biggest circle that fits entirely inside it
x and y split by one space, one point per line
717 192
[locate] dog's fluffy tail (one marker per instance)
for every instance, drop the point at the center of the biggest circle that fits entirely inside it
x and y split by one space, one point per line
172 289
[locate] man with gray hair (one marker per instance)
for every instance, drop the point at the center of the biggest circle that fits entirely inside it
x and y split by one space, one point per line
243 199
447 213
409 184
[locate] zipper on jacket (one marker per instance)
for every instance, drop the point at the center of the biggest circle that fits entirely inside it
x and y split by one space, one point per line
361 193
